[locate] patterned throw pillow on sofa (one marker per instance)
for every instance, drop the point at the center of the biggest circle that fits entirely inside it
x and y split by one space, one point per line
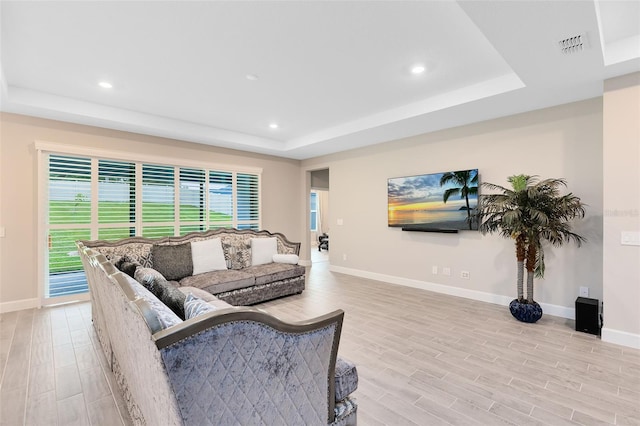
167 292
194 306
148 276
237 251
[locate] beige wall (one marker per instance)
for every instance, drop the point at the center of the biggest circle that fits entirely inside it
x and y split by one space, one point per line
621 265
564 141
282 202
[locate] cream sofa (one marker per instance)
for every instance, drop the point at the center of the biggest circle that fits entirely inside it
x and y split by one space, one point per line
225 366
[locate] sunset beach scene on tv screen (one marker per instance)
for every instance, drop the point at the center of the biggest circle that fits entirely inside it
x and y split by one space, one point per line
447 200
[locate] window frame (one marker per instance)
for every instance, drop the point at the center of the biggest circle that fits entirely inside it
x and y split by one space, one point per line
45 149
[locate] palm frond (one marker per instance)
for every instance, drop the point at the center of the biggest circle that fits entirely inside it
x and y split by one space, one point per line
534 209
449 192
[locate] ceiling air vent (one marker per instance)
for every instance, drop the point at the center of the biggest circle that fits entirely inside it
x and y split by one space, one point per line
574 44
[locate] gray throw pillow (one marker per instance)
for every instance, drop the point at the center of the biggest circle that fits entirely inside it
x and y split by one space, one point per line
169 294
174 262
127 265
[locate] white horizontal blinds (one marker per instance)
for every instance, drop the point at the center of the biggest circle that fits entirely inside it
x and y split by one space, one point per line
220 199
116 199
69 190
247 201
192 200
158 200
69 219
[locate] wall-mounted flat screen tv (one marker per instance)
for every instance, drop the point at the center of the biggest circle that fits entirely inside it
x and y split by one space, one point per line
436 201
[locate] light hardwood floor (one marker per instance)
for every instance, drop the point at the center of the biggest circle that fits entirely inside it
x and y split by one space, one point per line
423 359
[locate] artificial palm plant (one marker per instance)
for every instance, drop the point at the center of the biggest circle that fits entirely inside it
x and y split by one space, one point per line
532 212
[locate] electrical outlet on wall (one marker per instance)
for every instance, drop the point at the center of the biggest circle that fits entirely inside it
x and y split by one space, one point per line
584 291
446 271
434 270
464 274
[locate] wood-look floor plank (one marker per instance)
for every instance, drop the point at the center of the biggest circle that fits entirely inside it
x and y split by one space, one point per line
444 413
72 411
86 357
42 409
12 406
16 372
67 382
94 385
64 355
104 412
41 378
485 417
513 416
42 353
549 418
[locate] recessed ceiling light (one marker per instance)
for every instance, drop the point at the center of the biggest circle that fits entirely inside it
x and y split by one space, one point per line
105 85
273 125
252 77
418 69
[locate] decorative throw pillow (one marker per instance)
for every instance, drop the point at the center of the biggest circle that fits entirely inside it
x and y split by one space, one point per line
165 315
286 258
171 296
173 261
194 306
238 254
207 256
127 265
148 277
262 250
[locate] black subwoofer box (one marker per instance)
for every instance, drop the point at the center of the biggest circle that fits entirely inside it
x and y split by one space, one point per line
587 315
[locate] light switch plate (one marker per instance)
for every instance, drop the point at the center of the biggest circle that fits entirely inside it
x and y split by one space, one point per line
630 238
2 232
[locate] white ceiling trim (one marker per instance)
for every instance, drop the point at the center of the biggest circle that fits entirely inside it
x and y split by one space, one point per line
39 104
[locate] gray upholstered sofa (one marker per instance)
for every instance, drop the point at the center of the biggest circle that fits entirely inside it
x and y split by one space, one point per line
236 279
221 365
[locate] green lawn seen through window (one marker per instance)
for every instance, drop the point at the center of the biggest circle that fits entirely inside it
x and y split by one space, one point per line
61 212
62 250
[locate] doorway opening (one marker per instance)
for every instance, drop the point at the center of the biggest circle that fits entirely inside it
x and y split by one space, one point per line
319 229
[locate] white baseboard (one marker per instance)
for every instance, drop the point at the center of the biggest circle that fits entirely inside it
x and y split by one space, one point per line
558 311
498 299
19 305
620 337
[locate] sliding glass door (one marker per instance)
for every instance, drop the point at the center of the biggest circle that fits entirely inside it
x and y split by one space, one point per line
94 198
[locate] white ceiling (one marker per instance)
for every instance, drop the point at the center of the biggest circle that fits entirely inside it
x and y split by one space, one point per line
333 75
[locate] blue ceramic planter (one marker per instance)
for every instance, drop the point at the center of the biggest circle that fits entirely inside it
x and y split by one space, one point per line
525 312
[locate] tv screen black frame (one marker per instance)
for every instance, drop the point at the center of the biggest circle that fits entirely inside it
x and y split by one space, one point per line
417 202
